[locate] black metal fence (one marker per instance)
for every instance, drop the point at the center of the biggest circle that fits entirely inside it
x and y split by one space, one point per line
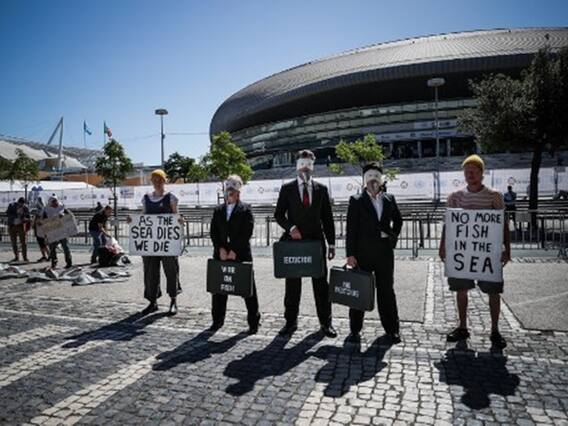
529 230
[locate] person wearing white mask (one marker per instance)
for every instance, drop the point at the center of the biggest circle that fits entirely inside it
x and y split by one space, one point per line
304 211
373 225
231 229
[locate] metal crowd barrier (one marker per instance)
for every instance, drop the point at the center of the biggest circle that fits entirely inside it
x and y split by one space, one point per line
529 230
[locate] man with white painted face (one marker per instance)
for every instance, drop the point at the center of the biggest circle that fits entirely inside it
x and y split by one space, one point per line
304 211
231 229
373 225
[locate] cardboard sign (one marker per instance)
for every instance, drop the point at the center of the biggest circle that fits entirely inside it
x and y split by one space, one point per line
295 259
474 243
231 278
57 228
156 235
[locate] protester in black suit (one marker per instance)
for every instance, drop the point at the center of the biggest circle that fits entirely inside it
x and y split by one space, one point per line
304 211
231 229
373 226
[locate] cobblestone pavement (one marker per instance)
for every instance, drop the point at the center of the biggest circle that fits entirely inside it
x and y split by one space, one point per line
66 361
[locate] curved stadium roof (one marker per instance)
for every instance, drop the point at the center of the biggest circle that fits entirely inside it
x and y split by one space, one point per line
384 73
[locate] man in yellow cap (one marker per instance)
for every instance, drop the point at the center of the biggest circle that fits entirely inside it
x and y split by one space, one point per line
477 196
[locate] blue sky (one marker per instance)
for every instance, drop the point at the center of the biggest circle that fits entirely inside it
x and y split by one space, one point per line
119 60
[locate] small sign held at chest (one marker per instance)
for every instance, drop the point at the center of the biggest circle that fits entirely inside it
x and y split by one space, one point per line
231 278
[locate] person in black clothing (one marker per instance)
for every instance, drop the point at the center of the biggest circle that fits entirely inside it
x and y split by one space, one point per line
373 225
304 211
97 229
231 229
18 222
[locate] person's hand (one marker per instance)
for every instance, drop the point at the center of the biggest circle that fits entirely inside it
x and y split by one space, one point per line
223 254
442 252
181 220
330 253
128 219
352 262
505 257
232 255
296 234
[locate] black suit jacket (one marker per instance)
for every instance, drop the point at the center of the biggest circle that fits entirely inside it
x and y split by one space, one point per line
233 234
364 227
314 222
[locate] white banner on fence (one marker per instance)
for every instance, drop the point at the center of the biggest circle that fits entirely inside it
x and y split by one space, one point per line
412 186
57 228
261 191
156 235
474 240
519 179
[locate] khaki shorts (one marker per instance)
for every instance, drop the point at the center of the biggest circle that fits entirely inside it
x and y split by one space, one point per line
485 286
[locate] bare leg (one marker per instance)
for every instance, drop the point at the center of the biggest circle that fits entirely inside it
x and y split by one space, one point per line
494 309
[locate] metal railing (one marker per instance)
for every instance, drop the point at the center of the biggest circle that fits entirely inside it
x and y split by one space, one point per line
529 230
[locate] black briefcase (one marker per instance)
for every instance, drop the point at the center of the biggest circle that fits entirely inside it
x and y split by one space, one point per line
296 259
231 278
352 287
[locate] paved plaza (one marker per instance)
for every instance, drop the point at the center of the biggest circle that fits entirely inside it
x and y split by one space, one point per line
83 354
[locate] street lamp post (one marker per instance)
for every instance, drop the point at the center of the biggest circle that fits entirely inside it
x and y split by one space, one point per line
161 112
435 83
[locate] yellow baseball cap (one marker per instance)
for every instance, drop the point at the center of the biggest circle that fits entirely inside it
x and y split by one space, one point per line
475 160
160 173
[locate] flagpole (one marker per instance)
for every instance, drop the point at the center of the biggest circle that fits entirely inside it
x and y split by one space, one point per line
85 145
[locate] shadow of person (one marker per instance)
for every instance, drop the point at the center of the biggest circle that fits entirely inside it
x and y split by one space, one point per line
348 366
480 374
272 360
126 329
196 349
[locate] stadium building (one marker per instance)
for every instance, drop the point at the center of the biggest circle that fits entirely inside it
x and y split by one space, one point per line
380 89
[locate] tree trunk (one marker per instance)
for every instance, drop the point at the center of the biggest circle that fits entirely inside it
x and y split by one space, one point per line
533 191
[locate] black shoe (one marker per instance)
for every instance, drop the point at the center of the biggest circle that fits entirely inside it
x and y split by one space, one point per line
288 329
93 260
14 260
394 338
497 340
152 307
26 260
457 335
216 326
329 331
253 329
69 266
173 308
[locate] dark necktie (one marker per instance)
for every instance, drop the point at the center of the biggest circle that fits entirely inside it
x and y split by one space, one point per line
306 196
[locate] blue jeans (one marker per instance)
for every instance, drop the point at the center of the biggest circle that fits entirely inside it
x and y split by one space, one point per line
98 240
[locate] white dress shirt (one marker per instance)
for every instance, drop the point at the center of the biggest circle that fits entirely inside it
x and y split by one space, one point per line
378 205
230 208
301 189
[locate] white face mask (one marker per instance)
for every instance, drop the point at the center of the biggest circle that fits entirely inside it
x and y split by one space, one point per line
373 176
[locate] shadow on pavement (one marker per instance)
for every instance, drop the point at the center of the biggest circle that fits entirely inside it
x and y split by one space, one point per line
196 349
348 366
479 373
272 360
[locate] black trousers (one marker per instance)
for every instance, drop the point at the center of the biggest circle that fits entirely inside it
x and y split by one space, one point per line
152 290
219 307
293 294
382 264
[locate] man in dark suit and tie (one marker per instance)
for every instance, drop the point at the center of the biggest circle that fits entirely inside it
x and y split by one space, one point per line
304 211
231 229
373 225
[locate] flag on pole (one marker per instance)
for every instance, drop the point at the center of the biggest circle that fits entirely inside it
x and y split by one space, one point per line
107 130
86 128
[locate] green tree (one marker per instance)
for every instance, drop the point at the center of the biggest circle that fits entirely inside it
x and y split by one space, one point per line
24 169
361 152
113 166
197 173
5 167
226 158
528 113
177 166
